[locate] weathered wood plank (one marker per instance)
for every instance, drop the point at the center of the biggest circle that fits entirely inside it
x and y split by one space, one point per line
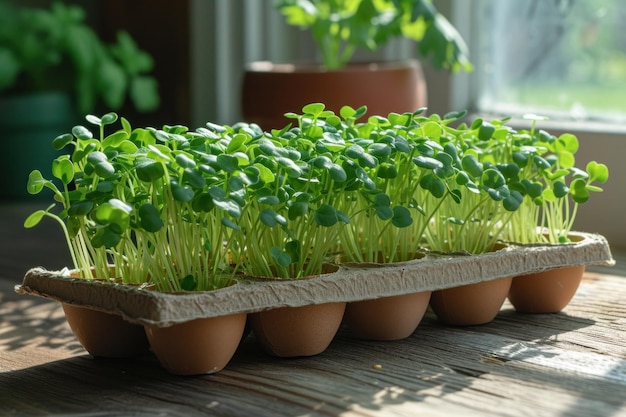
572 363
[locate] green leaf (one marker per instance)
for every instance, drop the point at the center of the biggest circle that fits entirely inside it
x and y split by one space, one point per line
379 150
382 200
314 109
401 217
566 159
446 170
193 178
185 161
107 237
149 170
560 189
384 213
297 209
82 133
387 170
63 169
114 140
188 283
579 191
34 219
62 141
230 224
567 142
294 249
282 258
472 166
326 215
265 174
270 218
347 112
182 193
486 130
427 162
109 119
597 172
101 164
492 178
80 208
149 218
337 173
269 199
541 163
433 184
513 201
93 119
36 182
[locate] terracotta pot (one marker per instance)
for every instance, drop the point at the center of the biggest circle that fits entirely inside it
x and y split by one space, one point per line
547 291
270 90
387 318
471 304
201 346
105 335
297 331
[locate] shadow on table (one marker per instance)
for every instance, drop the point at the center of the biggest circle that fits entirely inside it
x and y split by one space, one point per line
404 377
424 371
28 321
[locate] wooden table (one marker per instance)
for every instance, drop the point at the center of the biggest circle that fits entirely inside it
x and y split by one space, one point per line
567 364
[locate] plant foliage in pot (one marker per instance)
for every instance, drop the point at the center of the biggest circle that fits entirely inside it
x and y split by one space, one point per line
470 220
148 206
553 188
54 67
288 227
339 29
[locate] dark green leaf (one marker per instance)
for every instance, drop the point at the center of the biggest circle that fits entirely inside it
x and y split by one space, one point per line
282 258
188 283
149 170
298 209
181 193
326 215
427 162
150 218
63 169
401 217
62 141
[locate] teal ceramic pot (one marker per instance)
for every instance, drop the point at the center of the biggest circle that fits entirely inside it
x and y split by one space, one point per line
28 124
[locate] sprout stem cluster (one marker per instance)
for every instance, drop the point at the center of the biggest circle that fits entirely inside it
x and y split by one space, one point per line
189 210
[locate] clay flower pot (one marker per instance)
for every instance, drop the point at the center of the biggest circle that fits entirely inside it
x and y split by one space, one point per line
387 318
105 335
297 331
470 304
201 346
384 87
546 291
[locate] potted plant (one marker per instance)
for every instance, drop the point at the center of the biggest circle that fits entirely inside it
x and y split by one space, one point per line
330 200
148 206
471 220
397 162
54 67
339 29
288 227
553 188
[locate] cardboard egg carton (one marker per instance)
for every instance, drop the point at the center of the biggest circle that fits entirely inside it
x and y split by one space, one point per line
350 282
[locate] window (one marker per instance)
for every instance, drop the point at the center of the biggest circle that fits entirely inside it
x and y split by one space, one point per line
565 59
